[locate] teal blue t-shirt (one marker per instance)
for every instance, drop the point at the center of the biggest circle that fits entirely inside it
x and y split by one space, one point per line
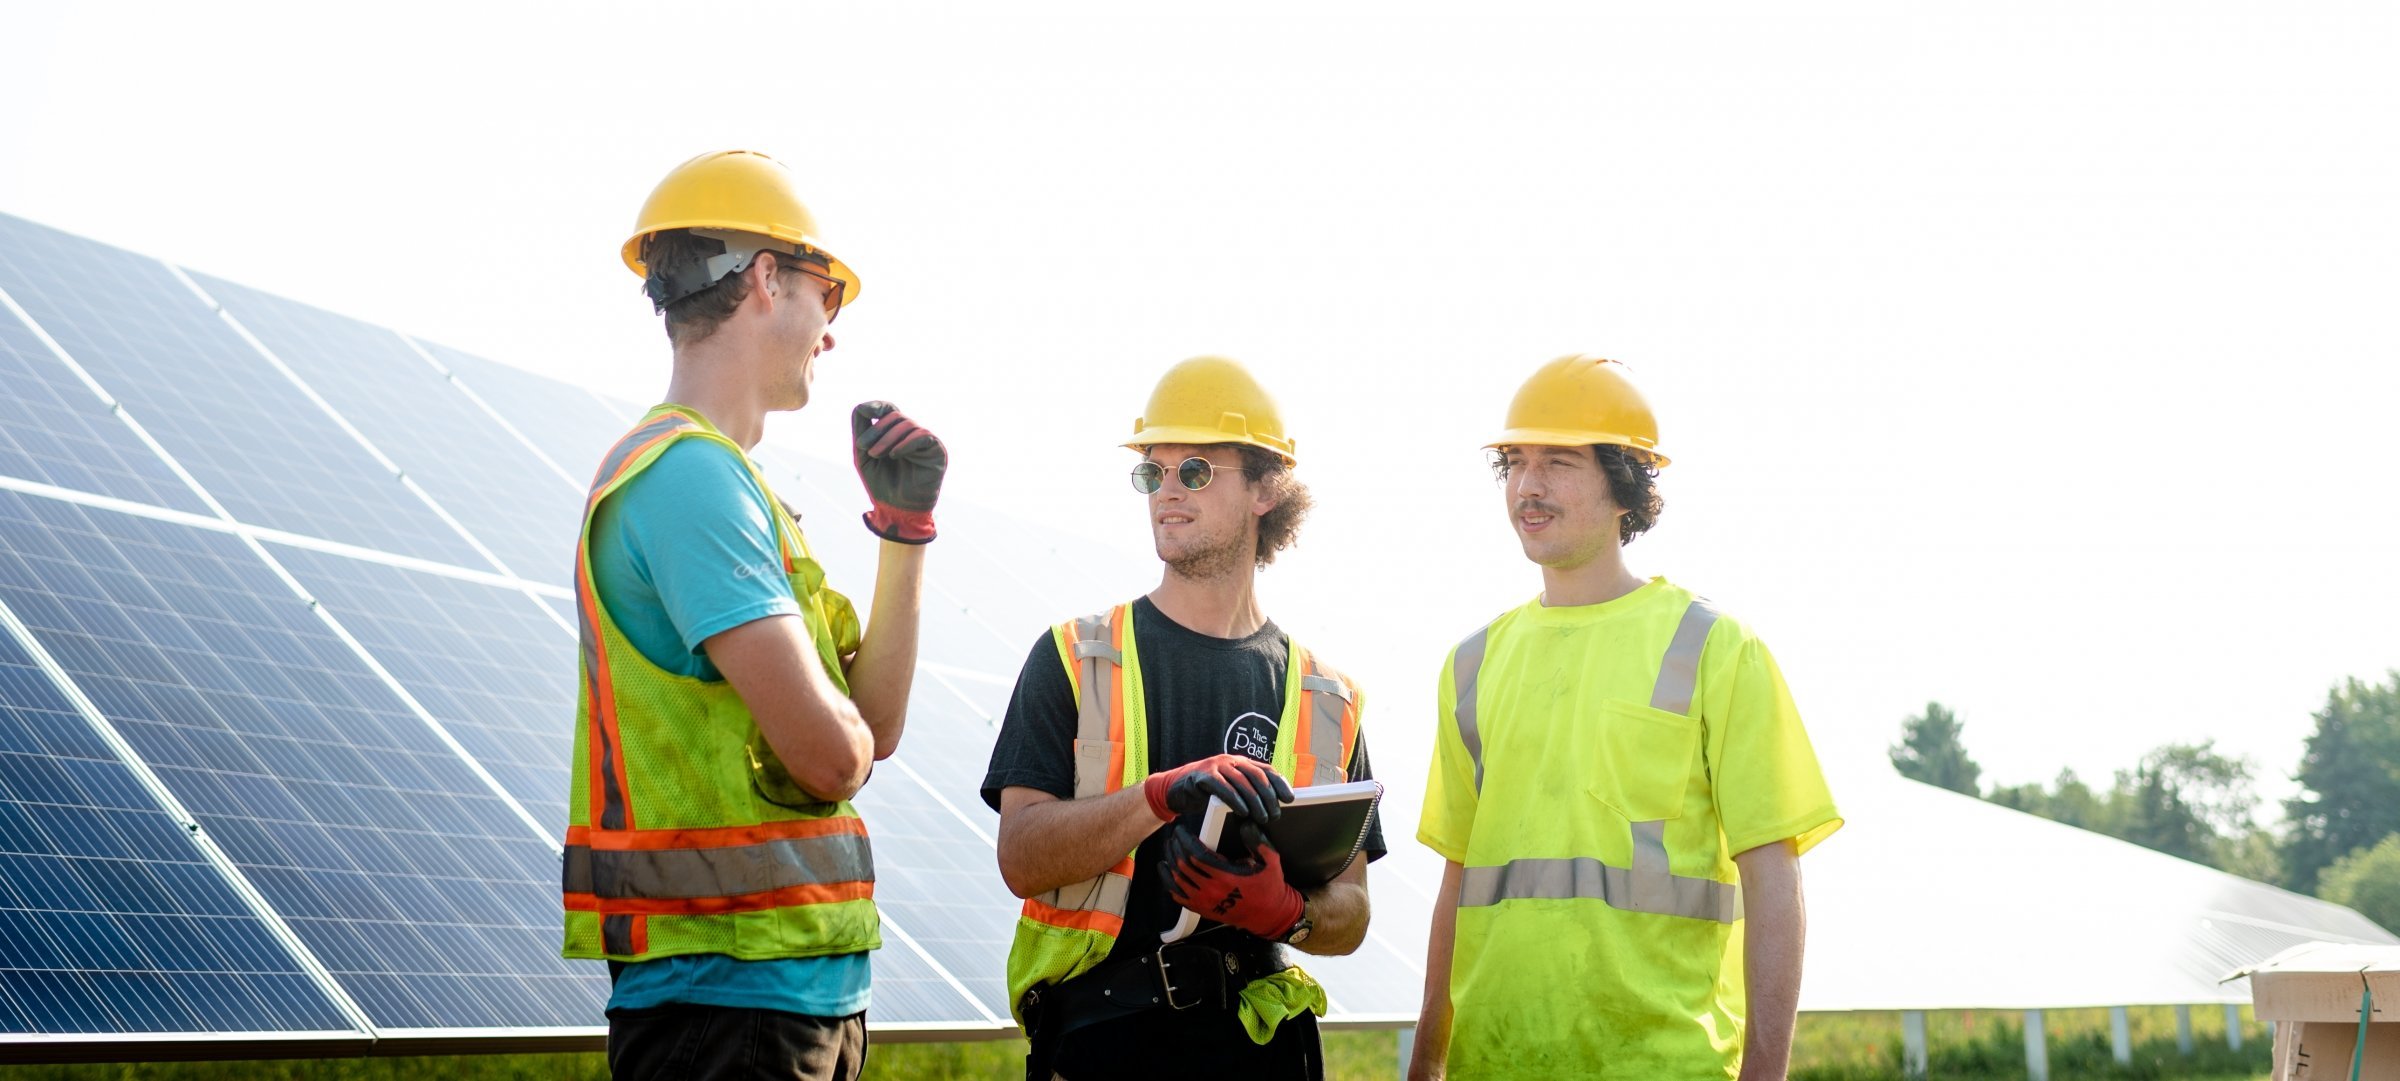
682 552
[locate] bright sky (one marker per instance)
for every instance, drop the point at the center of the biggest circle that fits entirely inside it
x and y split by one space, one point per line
2039 362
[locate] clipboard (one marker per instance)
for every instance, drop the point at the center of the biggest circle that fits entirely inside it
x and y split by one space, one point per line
1318 836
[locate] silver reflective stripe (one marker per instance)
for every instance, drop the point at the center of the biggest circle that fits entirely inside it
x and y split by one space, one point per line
1105 893
686 873
1098 678
1463 669
1329 697
1647 887
616 934
1679 670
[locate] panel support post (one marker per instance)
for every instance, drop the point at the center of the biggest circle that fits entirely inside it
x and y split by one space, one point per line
1912 1044
2233 1025
2183 1031
2037 1048
1408 1043
2120 1036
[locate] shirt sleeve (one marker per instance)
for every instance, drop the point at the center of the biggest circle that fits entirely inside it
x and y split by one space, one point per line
1450 797
1768 786
698 530
1036 745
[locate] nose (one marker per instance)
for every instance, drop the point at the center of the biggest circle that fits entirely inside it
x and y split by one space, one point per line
825 342
1525 483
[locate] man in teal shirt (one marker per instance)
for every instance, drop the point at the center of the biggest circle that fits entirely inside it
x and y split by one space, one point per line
701 571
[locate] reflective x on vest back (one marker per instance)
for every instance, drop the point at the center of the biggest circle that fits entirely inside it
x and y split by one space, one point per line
673 828
1064 932
1647 886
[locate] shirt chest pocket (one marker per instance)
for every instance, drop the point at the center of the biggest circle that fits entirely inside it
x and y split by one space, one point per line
1643 760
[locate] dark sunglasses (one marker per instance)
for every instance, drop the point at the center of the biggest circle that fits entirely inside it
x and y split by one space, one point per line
1194 473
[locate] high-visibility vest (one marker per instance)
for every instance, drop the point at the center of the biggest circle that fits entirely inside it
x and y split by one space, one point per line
1067 931
686 834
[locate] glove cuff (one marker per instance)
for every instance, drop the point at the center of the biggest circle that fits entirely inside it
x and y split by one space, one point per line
900 526
1154 789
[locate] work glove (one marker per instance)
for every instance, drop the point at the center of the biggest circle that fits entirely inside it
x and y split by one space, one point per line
901 463
1245 784
1250 894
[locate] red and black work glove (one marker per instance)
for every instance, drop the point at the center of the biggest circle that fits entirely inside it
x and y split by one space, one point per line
1245 784
902 464
1250 894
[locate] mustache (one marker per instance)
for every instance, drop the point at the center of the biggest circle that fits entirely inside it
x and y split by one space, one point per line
1536 506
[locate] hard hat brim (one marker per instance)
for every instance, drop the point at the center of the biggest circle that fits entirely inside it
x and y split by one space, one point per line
1203 437
1560 437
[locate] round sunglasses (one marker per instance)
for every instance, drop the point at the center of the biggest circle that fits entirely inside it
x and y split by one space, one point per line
1194 474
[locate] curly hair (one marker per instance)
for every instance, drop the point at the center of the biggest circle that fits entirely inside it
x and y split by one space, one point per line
692 319
1278 529
1632 484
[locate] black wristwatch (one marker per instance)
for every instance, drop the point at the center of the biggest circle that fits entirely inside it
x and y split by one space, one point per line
1301 930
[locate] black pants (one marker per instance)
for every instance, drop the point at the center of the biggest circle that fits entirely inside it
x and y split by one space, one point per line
678 1042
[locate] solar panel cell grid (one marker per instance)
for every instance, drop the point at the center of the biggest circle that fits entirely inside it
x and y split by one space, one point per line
566 423
54 430
254 441
111 920
310 774
503 493
484 660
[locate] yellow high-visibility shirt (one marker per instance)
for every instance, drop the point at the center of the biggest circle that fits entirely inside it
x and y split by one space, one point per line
1597 931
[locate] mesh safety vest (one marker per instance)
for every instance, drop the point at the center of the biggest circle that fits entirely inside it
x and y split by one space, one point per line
1064 933
686 834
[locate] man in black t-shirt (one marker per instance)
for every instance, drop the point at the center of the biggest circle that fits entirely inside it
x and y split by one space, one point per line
1121 727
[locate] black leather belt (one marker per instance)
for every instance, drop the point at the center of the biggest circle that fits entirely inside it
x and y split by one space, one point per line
1177 976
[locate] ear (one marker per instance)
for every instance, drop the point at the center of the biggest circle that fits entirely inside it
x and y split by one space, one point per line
1262 501
766 286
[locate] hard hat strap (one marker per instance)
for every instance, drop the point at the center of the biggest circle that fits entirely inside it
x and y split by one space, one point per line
666 285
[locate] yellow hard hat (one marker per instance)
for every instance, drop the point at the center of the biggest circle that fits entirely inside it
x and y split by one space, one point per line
1212 400
740 191
1579 400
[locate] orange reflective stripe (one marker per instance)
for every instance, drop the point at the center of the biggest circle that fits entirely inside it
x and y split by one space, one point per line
720 837
611 808
789 896
1107 923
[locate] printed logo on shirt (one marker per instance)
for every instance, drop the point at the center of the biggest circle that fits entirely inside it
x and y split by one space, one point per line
755 570
1251 735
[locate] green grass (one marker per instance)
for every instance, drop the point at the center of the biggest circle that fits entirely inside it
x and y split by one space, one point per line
1973 1045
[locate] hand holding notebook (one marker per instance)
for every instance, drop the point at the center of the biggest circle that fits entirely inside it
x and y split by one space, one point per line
1315 839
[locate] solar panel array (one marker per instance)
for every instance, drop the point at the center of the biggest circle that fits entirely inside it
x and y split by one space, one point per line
286 686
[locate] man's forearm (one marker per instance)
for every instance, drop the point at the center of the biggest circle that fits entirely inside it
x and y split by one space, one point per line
885 668
1046 842
1427 1062
1774 937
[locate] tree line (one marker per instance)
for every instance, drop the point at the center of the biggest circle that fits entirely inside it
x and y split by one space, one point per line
2338 839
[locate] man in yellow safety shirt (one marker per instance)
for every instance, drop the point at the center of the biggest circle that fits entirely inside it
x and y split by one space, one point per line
730 704
1124 723
1621 785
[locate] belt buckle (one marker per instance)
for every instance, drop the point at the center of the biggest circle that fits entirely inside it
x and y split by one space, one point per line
1166 982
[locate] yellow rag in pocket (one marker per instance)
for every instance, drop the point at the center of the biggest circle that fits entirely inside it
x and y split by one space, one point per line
1269 1000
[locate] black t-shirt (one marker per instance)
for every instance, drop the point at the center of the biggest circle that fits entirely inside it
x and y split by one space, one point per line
1206 696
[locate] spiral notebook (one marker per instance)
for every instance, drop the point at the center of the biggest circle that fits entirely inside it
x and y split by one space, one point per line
1318 835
